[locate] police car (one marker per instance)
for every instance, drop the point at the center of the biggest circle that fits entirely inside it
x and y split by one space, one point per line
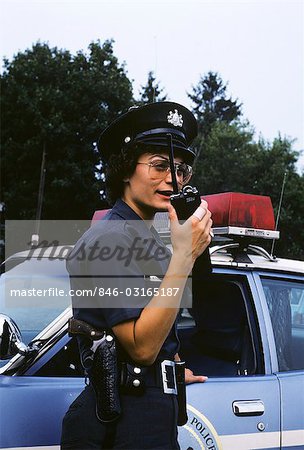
245 330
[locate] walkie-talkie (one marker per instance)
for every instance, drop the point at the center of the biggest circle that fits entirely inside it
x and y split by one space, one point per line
185 203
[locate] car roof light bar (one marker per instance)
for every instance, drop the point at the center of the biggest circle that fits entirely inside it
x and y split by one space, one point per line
238 214
247 232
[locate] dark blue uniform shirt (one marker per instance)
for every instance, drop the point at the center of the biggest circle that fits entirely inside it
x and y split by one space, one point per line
118 259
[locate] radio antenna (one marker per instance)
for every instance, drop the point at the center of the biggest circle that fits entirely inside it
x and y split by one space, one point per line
279 210
172 166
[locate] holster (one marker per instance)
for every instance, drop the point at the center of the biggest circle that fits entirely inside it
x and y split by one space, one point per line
105 380
104 374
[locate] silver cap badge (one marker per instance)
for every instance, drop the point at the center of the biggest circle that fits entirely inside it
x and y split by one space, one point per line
175 118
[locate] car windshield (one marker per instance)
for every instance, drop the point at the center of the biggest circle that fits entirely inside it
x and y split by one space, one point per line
34 292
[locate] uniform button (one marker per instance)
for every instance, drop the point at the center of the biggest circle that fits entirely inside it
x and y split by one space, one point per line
136 383
109 338
137 370
127 139
93 333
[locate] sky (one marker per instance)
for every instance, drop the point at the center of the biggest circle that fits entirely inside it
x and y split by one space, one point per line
257 47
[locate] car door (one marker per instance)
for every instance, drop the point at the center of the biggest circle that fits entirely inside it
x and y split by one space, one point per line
32 409
239 410
284 295
34 403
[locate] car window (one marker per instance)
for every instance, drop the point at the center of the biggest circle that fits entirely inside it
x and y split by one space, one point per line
285 299
30 293
216 334
64 363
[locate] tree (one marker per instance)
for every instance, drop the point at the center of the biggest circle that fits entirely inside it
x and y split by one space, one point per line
230 160
55 101
211 103
151 92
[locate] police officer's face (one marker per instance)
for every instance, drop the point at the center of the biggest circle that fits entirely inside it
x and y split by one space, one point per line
149 188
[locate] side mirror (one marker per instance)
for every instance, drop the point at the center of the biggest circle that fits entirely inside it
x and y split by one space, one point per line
10 338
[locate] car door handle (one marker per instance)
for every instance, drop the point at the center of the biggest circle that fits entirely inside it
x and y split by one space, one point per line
248 407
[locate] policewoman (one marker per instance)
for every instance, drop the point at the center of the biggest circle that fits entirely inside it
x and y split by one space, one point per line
123 255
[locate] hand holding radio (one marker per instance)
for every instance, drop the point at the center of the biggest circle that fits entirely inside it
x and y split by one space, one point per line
192 237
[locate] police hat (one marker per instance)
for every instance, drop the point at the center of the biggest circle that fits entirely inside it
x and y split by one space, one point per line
149 125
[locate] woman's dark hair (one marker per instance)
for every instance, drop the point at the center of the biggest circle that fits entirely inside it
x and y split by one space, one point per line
121 166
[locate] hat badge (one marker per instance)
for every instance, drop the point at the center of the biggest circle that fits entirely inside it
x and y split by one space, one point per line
175 118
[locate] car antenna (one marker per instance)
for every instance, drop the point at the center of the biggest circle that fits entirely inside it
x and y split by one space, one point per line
279 210
35 236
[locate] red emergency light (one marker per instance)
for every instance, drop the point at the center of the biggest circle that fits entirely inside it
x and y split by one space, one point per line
241 214
241 210
236 214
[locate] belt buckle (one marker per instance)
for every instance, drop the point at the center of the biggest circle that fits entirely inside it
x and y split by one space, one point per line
168 376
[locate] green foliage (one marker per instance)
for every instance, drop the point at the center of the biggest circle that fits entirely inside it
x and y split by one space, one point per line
55 100
230 160
211 104
151 92
58 101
